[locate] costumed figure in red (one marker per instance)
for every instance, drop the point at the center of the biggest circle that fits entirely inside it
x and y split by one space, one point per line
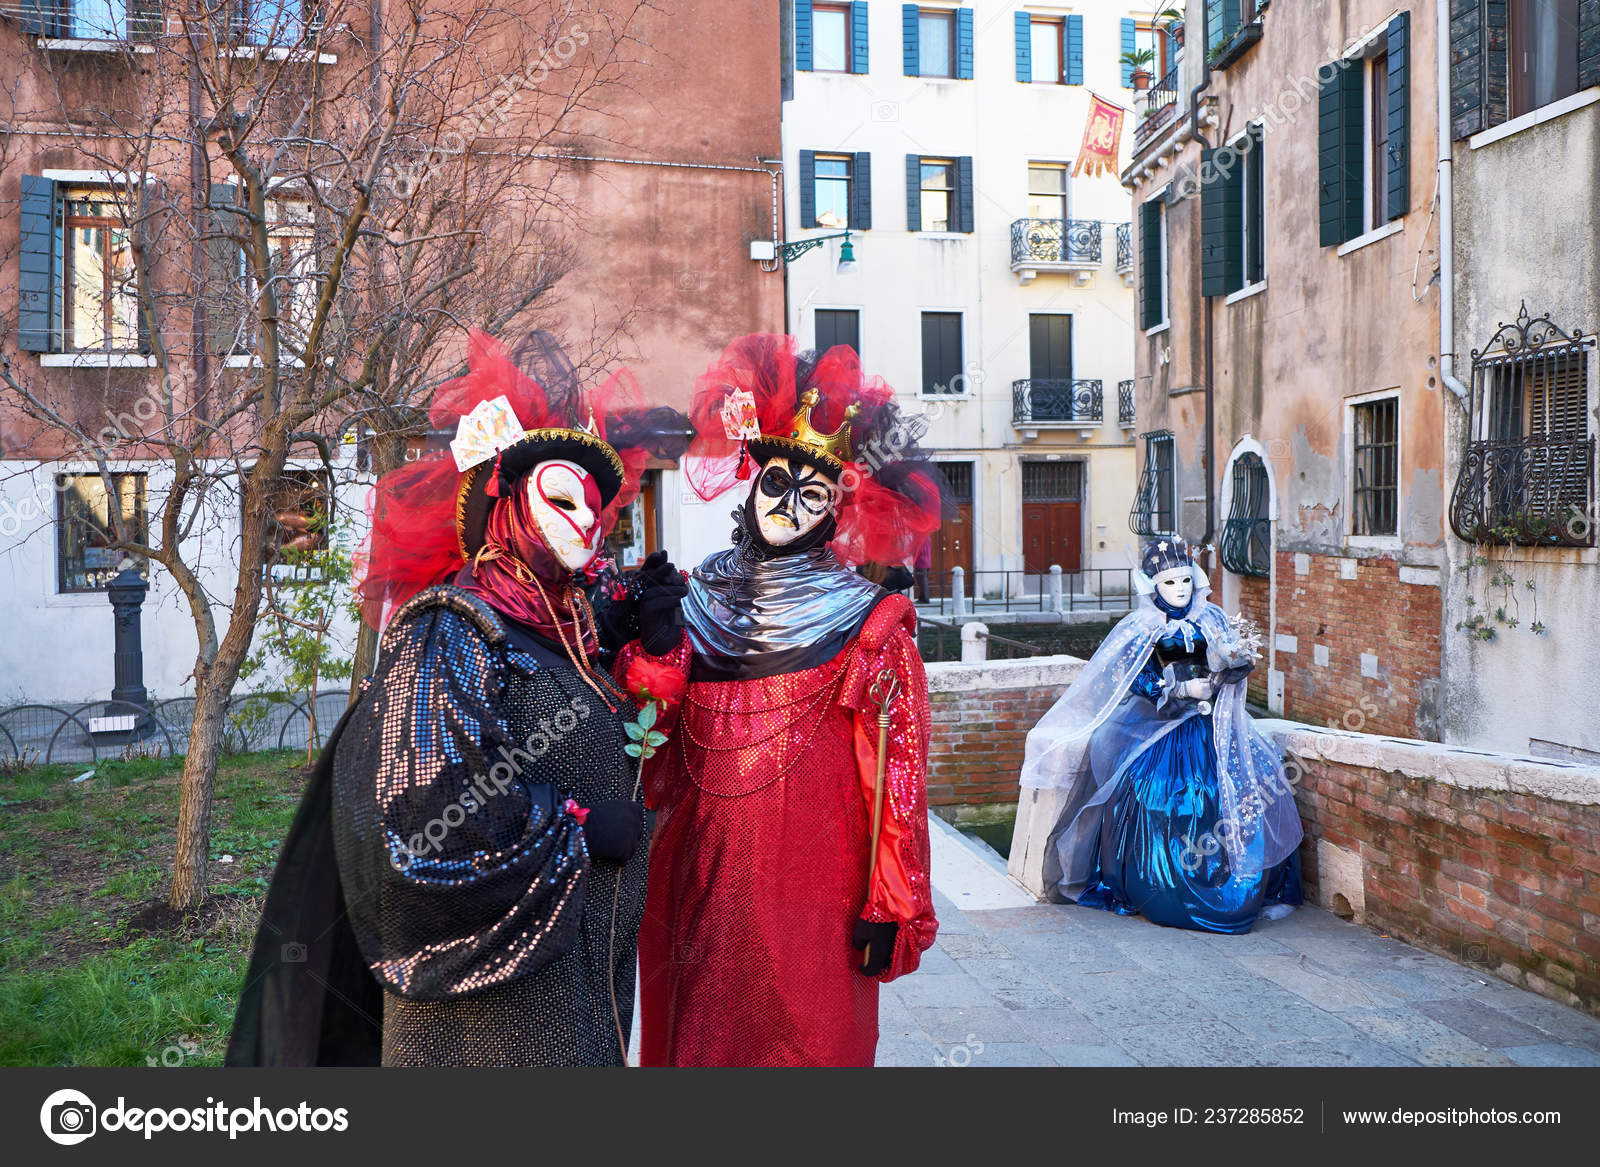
789 872
463 883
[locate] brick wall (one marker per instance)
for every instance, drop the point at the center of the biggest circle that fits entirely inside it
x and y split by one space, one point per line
981 717
1332 613
1491 860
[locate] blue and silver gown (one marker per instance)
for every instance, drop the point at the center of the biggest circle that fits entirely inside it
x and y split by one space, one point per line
1157 851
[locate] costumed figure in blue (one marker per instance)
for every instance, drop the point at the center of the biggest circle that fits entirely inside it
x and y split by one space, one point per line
1174 807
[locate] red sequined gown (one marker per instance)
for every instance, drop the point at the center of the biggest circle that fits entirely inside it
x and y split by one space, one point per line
758 869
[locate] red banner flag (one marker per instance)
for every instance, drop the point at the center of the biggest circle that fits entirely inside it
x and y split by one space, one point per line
1102 138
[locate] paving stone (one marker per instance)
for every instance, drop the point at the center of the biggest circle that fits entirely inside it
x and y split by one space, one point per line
1423 1039
1552 1054
1354 1050
1202 1042
937 960
905 1053
1057 956
1033 998
1484 1024
951 990
1322 987
993 972
1004 1053
1089 1055
1060 1026
987 1023
968 944
1277 1015
1565 1025
1114 1000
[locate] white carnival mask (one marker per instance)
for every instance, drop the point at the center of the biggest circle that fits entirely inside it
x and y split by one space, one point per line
1176 586
565 501
792 497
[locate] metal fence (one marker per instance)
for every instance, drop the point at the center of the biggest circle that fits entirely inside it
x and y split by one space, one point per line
38 734
962 593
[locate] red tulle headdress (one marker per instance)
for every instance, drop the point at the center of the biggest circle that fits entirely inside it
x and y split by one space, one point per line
762 398
427 517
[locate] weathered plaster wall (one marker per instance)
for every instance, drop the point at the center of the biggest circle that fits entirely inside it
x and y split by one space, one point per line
1543 251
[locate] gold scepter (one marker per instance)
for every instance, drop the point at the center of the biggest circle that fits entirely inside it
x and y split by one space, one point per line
885 688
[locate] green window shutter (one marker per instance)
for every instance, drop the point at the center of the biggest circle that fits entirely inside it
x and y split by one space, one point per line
1398 155
226 298
1339 153
911 34
964 44
802 35
1024 24
1151 274
1074 68
1221 222
39 267
808 188
1130 29
1467 59
861 191
1588 43
964 213
859 40
913 192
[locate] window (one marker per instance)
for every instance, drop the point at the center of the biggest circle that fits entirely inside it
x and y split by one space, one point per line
1364 136
1049 49
292 245
1045 42
942 369
86 531
1246 535
1152 263
1052 482
277 23
1375 468
938 188
91 20
300 508
291 238
100 289
1542 52
936 43
1527 473
1231 27
830 33
1154 504
832 192
837 326
1047 191
1231 215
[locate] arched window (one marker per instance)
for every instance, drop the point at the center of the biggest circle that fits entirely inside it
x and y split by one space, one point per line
1246 547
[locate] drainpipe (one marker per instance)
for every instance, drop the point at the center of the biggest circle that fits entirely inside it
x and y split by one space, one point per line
1210 460
1447 230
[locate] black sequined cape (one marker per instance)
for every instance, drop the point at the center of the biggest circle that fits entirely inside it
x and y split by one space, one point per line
434 904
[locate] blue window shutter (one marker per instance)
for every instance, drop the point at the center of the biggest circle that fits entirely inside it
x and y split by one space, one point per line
859 40
912 35
38 300
1024 47
913 192
964 195
1074 50
861 191
1129 44
802 35
964 43
1398 154
808 188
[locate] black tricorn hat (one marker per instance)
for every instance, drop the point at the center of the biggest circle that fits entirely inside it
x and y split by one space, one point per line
473 501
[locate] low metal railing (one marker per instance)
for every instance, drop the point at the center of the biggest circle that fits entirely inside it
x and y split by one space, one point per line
962 593
1161 107
1124 247
1125 402
1046 399
1065 241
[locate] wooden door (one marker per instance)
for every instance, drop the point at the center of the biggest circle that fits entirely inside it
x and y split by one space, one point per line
952 542
1052 516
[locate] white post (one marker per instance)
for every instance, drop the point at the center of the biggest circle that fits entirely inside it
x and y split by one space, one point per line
1055 588
974 648
958 591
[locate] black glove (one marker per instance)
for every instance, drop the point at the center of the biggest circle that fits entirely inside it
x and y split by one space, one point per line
878 942
612 829
660 604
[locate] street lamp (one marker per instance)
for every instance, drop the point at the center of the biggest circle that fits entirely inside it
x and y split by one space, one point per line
789 252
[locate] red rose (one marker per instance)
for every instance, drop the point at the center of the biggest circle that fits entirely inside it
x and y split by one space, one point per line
649 680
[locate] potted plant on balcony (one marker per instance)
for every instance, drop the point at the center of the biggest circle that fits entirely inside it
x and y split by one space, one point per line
1139 62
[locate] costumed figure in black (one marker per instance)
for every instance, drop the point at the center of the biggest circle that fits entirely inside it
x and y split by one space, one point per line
463 883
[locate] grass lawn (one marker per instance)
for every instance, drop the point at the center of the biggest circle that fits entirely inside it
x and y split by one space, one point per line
94 970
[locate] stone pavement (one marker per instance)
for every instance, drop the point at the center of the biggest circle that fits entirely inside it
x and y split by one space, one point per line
1056 985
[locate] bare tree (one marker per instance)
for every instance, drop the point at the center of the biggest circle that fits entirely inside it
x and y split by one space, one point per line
305 213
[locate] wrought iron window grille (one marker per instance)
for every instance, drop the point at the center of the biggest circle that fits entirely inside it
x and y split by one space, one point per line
1040 399
1154 506
1070 241
1246 546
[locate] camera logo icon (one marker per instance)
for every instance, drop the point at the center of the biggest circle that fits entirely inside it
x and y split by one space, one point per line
885 111
68 1117
293 953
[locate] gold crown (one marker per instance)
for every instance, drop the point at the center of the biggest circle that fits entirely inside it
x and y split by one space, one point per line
835 445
